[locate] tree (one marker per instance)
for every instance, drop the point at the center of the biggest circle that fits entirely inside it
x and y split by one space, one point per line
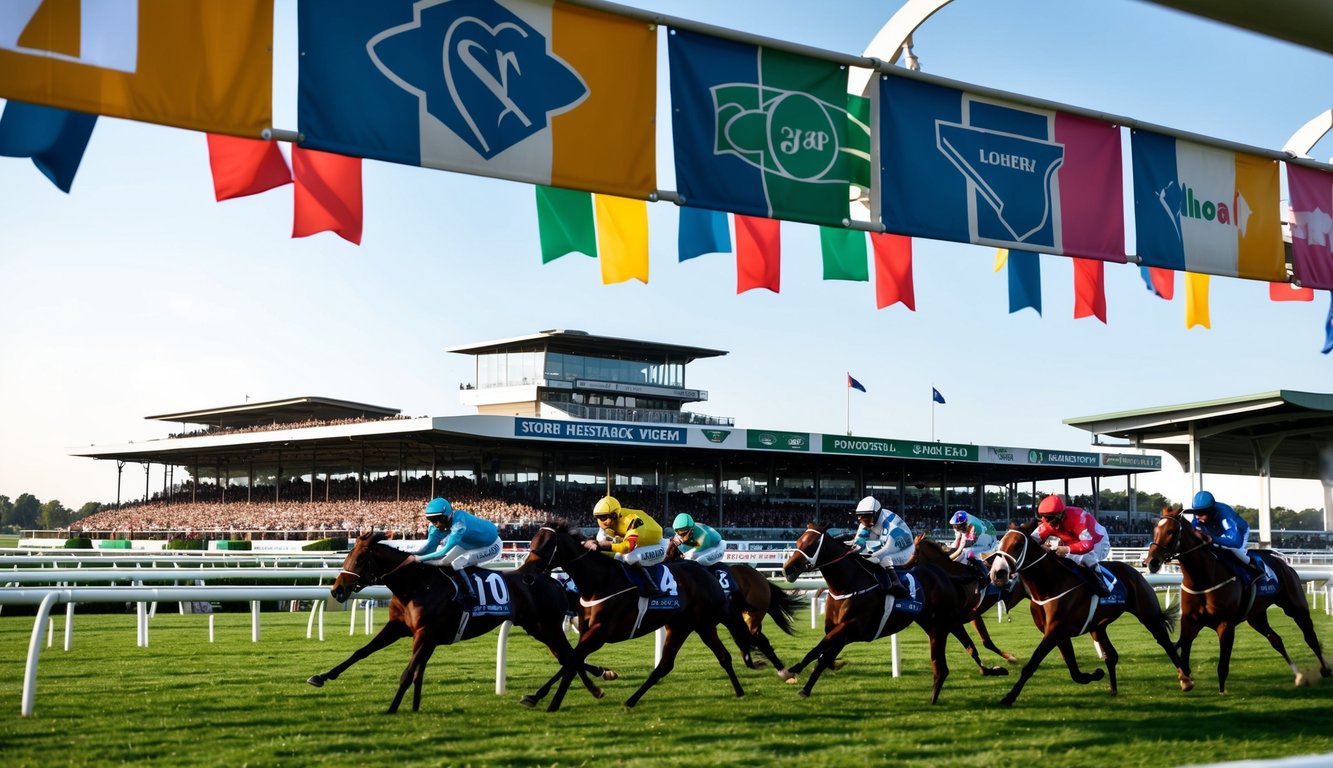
6 511
54 515
88 509
27 511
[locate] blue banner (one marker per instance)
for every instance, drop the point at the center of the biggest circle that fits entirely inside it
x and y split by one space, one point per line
553 429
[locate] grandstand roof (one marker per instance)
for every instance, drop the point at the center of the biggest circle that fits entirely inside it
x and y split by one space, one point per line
1232 434
291 410
1303 22
583 343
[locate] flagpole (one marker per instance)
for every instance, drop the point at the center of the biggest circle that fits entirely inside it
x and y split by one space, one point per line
849 405
932 412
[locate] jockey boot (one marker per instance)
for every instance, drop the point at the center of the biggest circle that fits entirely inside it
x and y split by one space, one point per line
894 585
640 578
1095 581
467 595
1253 570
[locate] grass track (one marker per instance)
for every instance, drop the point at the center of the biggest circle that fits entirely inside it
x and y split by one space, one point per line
186 702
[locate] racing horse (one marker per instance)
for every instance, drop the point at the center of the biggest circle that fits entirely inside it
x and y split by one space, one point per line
754 596
611 611
860 611
1212 596
1064 607
930 551
423 608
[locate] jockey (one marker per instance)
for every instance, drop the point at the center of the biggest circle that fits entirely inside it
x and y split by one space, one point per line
973 539
457 539
698 542
1223 528
893 544
630 536
1082 539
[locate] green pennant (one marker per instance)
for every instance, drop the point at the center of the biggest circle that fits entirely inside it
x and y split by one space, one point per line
844 254
565 223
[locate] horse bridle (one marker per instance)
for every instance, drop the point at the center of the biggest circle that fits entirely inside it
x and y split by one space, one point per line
1020 563
812 561
1179 527
550 562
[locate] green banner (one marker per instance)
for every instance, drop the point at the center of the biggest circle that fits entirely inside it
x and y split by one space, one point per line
777 441
905 449
1131 461
1065 458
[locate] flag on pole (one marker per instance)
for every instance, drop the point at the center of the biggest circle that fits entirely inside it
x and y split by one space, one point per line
854 384
936 396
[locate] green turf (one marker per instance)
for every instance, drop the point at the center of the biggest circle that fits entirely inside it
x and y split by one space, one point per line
184 702
8 541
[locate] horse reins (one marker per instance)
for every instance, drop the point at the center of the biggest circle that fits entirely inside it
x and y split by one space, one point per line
1198 546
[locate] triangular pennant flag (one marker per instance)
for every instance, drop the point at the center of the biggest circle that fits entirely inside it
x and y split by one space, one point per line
844 252
893 270
53 138
1090 288
565 223
1196 300
327 194
702 231
1162 282
1024 281
758 253
243 167
622 238
1289 292
1001 258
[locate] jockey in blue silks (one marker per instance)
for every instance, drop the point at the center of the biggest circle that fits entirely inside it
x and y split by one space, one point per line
458 539
887 540
1224 528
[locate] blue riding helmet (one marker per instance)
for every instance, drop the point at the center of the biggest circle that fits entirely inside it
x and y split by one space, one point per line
439 508
959 518
682 522
1203 501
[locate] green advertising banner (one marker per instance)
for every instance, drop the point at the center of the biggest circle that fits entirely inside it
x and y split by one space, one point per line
773 440
1131 461
1064 458
905 449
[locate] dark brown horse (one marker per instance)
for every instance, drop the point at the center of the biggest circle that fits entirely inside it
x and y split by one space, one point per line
1063 607
859 610
1212 596
754 596
423 608
930 551
612 611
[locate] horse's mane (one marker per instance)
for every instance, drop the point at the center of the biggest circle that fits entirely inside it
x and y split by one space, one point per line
565 526
1026 528
938 547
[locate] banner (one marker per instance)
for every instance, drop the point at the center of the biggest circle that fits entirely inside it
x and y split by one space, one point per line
763 132
1206 210
206 65
1311 226
957 166
542 92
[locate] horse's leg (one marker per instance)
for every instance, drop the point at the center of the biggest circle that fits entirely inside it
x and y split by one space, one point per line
965 639
1109 654
939 661
589 643
388 635
754 621
1300 613
831 646
422 647
1226 640
420 676
1066 648
675 638
979 624
743 637
555 641
1039 653
1189 629
708 634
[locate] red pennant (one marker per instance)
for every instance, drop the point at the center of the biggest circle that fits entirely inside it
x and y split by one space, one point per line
893 270
244 167
1090 288
1163 282
328 194
1289 292
758 254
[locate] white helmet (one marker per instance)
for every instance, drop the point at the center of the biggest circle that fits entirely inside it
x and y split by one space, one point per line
868 506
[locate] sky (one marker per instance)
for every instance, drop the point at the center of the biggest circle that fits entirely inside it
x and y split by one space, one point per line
138 294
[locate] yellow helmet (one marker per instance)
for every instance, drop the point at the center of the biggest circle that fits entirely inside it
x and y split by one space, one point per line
608 506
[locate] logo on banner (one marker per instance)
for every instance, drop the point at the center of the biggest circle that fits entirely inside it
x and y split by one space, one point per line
716 435
790 134
1008 173
1179 202
494 81
103 33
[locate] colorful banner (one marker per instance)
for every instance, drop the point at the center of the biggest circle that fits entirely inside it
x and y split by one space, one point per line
543 92
777 441
206 65
763 132
956 166
1206 210
1311 226
553 429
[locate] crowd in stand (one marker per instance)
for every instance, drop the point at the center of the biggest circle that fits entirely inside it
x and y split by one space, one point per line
280 425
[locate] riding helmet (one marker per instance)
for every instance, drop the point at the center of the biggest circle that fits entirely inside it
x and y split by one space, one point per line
1051 505
959 518
868 506
607 506
439 508
682 522
1203 500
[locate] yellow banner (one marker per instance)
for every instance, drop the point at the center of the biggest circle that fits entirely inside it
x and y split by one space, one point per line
622 238
202 64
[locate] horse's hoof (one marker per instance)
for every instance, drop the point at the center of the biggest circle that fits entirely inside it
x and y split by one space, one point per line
1012 659
759 665
994 671
793 680
1113 692
803 694
1007 701
316 680
610 674
1301 680
597 693
786 676
1097 674
1186 684
528 701
837 665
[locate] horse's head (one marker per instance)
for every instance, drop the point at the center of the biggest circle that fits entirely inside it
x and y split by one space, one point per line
1016 551
810 552
1166 538
926 551
554 545
360 568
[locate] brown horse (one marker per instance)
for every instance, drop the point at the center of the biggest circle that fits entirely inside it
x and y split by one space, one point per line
755 597
859 610
930 551
1064 607
423 608
1212 596
612 611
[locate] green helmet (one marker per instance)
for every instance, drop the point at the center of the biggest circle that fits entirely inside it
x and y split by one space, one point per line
682 522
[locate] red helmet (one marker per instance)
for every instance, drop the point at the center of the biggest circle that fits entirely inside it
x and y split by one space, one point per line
1051 505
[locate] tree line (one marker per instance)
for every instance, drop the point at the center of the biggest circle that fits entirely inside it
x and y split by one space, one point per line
28 511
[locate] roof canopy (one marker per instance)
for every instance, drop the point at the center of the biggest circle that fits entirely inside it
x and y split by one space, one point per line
1235 435
582 343
1303 22
290 411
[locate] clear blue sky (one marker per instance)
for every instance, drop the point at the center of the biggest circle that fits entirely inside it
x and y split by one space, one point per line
138 294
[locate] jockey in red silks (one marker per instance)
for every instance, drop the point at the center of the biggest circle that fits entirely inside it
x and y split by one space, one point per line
1082 539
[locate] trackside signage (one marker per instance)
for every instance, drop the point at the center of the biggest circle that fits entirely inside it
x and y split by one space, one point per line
552 429
772 440
1065 458
906 449
1131 461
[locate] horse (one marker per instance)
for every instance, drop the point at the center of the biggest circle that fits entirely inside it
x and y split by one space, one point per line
859 610
1212 596
1064 607
754 596
930 551
612 611
423 608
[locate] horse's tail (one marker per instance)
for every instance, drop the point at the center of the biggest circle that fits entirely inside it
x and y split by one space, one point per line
782 607
1170 616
